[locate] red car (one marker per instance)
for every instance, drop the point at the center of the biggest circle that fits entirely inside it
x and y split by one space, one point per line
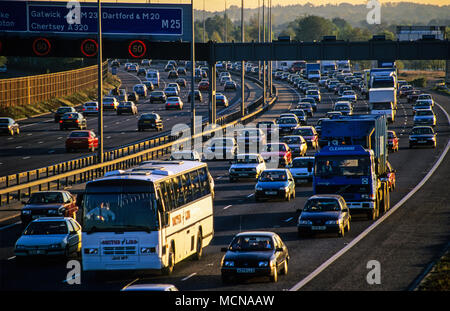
203 86
390 176
392 141
81 140
277 150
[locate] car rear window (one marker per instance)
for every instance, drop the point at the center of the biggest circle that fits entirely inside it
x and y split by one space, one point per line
79 134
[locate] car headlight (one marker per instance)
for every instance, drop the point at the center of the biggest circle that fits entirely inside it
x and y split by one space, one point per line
52 212
26 212
228 263
433 138
254 169
412 138
304 222
232 170
19 246
258 188
55 246
333 222
147 250
284 188
262 264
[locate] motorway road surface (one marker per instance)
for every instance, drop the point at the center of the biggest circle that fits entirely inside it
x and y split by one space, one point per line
41 143
404 243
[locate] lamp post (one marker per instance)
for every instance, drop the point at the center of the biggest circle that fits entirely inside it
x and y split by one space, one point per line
100 86
192 72
242 63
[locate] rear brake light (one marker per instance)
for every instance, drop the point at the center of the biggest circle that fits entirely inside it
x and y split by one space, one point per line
60 121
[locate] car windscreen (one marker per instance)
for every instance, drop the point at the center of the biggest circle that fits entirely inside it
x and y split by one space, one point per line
421 131
269 176
63 110
304 132
46 228
46 198
287 121
322 205
251 243
246 160
290 140
424 113
302 163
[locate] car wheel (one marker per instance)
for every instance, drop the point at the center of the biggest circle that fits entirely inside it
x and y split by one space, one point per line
199 253
274 276
284 271
341 232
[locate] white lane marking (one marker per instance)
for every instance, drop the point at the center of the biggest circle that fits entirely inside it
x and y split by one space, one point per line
40 142
19 147
189 276
26 158
250 195
11 258
289 219
29 134
9 226
129 284
228 206
363 234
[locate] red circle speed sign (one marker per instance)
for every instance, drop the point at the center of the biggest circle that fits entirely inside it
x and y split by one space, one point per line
137 48
89 47
41 46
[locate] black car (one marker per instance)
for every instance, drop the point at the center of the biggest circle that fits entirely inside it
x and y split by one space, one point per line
149 85
62 110
173 74
158 96
198 96
181 71
8 125
142 72
133 96
73 120
324 213
150 121
181 82
127 107
230 85
255 253
422 136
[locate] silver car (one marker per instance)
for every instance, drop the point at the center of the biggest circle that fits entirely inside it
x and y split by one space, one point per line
50 236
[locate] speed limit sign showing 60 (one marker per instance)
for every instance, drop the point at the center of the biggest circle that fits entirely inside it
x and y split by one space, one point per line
137 48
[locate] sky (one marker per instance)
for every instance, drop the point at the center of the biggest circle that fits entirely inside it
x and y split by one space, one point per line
218 5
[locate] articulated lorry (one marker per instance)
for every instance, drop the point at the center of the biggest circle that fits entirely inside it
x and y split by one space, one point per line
352 163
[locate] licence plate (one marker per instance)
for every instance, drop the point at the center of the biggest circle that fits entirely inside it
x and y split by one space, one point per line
318 227
77 142
37 252
422 141
271 192
245 270
302 180
243 174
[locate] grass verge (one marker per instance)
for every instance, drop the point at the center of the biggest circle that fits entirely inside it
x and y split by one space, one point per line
27 111
439 277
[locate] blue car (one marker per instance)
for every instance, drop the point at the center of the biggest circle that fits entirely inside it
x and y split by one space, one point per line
275 183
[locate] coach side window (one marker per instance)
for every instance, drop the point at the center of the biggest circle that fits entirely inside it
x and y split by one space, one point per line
204 181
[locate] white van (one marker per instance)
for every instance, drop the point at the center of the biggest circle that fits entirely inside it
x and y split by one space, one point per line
386 108
153 77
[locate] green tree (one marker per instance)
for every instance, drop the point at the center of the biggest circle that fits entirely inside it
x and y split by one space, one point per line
312 28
